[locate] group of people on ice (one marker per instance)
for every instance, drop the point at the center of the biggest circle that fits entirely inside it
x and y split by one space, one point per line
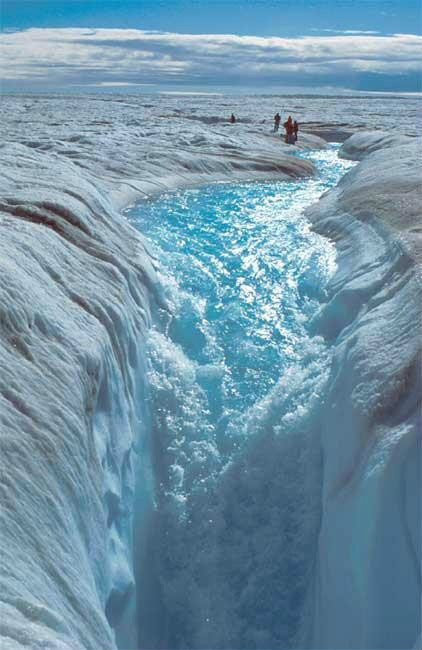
291 127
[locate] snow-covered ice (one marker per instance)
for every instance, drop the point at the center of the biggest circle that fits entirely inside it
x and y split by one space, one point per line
79 290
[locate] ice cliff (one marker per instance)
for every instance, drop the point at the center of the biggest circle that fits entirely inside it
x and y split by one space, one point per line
78 293
368 577
75 293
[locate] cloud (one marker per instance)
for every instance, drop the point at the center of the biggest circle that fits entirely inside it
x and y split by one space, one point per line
107 57
346 31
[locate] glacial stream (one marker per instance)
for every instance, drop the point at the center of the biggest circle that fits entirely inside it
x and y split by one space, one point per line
225 554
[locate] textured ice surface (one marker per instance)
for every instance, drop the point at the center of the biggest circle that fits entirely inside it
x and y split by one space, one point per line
77 291
362 144
368 586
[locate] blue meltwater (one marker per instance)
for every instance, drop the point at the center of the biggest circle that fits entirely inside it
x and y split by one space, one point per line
235 379
244 275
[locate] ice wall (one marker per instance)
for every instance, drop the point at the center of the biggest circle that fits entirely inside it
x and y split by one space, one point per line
368 579
77 287
75 293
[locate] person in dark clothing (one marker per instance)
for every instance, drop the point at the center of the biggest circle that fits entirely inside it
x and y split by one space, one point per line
295 129
277 120
233 118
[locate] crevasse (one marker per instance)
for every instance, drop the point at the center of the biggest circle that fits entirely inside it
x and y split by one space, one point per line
77 294
237 385
77 290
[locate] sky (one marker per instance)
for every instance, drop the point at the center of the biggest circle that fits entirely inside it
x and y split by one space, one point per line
211 45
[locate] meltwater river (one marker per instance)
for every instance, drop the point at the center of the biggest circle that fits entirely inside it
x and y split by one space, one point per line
236 384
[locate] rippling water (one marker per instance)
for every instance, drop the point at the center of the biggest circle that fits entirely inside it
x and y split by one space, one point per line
235 381
249 274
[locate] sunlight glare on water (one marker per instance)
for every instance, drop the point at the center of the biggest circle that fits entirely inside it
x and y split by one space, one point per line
249 273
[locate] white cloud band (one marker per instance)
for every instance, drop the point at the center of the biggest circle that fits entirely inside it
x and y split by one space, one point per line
131 56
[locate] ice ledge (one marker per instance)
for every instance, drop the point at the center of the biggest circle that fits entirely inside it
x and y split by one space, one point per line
362 144
387 185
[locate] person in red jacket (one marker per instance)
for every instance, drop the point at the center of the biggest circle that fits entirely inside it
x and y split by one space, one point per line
288 125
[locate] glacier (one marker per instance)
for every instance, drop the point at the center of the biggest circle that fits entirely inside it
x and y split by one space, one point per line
80 290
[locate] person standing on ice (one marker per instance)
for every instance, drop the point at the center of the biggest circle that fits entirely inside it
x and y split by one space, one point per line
277 120
288 125
295 129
